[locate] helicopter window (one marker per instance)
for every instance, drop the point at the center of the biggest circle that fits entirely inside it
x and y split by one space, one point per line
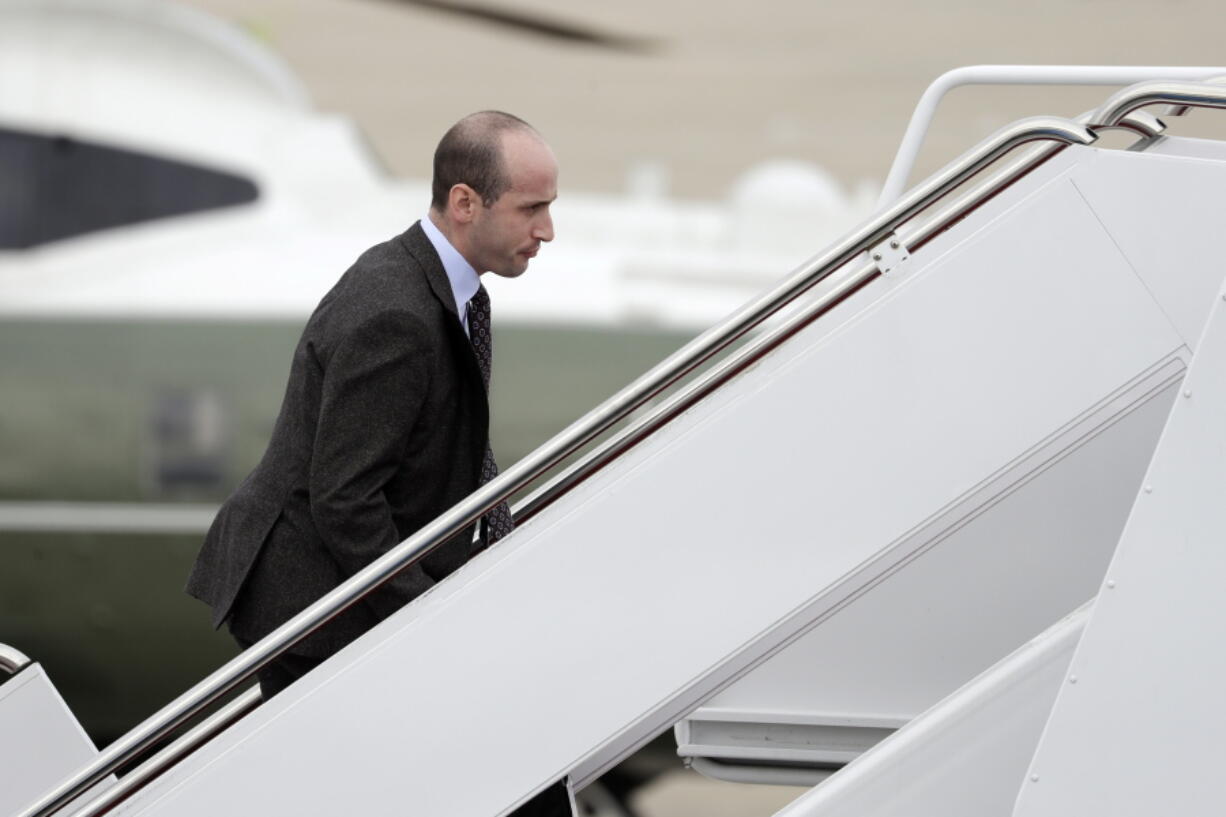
188 444
55 187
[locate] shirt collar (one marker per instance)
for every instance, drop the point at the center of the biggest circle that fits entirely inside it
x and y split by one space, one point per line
464 279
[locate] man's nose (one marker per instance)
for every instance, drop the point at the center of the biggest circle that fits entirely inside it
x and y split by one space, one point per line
543 231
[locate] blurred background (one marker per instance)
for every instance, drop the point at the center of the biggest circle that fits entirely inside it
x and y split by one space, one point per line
705 90
180 183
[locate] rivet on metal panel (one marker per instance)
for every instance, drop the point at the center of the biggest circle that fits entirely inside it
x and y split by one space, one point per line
1034 778
889 254
1072 679
1187 392
1110 584
1149 489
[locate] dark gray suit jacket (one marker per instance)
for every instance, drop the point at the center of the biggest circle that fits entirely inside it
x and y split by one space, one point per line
383 427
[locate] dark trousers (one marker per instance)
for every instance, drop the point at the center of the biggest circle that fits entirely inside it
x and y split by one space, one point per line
286 668
282 671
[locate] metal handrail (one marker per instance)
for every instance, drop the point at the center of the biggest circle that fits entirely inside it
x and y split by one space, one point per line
1180 110
172 754
530 468
13 660
1145 125
1139 122
925 109
1183 94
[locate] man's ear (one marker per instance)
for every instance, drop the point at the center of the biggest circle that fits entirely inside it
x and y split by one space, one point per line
462 201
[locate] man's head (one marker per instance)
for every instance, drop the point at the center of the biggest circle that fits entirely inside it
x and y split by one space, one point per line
494 179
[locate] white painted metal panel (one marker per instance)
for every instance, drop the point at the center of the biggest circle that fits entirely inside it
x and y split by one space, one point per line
1167 215
999 567
963 757
1190 148
773 502
1136 730
909 641
41 742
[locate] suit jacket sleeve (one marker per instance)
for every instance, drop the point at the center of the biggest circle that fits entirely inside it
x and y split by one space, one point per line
374 386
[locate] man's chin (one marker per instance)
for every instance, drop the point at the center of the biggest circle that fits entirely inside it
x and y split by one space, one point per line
517 267
510 272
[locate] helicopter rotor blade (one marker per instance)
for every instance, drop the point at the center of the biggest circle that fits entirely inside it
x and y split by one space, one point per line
539 25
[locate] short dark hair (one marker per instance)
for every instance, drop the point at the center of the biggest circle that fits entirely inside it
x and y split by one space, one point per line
470 153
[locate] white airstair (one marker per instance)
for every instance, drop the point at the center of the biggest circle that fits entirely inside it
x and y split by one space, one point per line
40 739
878 523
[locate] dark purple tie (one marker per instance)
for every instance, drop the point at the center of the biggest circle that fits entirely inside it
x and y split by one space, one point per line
498 521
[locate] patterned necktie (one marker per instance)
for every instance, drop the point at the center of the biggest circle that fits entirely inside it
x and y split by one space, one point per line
498 521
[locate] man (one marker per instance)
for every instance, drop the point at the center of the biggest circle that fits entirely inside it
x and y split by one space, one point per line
385 419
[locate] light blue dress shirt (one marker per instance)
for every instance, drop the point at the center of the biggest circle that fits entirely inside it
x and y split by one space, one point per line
464 279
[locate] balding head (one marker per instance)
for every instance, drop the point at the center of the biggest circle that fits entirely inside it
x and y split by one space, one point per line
494 182
471 153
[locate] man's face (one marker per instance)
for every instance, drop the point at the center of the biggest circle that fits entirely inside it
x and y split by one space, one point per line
505 235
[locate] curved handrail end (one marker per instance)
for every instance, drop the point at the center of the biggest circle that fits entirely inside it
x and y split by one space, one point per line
13 660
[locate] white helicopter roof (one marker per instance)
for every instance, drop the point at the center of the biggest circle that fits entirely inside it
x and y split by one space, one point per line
141 73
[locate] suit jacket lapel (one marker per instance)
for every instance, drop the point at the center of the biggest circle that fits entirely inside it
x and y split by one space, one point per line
418 245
